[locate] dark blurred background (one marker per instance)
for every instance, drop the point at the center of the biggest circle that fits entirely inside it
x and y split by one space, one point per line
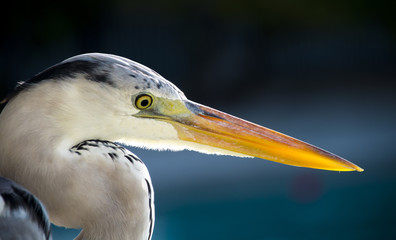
321 71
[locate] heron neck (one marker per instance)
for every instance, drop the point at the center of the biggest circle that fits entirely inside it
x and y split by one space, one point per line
87 191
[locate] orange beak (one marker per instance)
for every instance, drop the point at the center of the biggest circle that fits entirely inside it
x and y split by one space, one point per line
217 129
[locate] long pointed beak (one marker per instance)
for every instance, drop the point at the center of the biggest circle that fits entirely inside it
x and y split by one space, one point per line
214 128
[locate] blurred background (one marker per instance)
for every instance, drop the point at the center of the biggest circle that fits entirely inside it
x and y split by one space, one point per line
321 71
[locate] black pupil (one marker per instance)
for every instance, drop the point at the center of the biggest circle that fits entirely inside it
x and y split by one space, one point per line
144 102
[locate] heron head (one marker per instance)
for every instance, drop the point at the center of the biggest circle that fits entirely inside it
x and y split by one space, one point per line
117 99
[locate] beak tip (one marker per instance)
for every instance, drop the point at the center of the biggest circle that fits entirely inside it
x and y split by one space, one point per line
353 167
359 169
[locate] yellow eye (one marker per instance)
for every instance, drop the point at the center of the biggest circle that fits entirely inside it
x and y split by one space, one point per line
143 101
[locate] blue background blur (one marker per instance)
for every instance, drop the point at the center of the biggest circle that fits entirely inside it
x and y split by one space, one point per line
323 72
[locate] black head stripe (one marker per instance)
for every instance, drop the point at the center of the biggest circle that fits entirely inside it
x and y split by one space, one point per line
101 68
65 70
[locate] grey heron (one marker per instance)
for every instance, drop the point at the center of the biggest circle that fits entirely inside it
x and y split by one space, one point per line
58 132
